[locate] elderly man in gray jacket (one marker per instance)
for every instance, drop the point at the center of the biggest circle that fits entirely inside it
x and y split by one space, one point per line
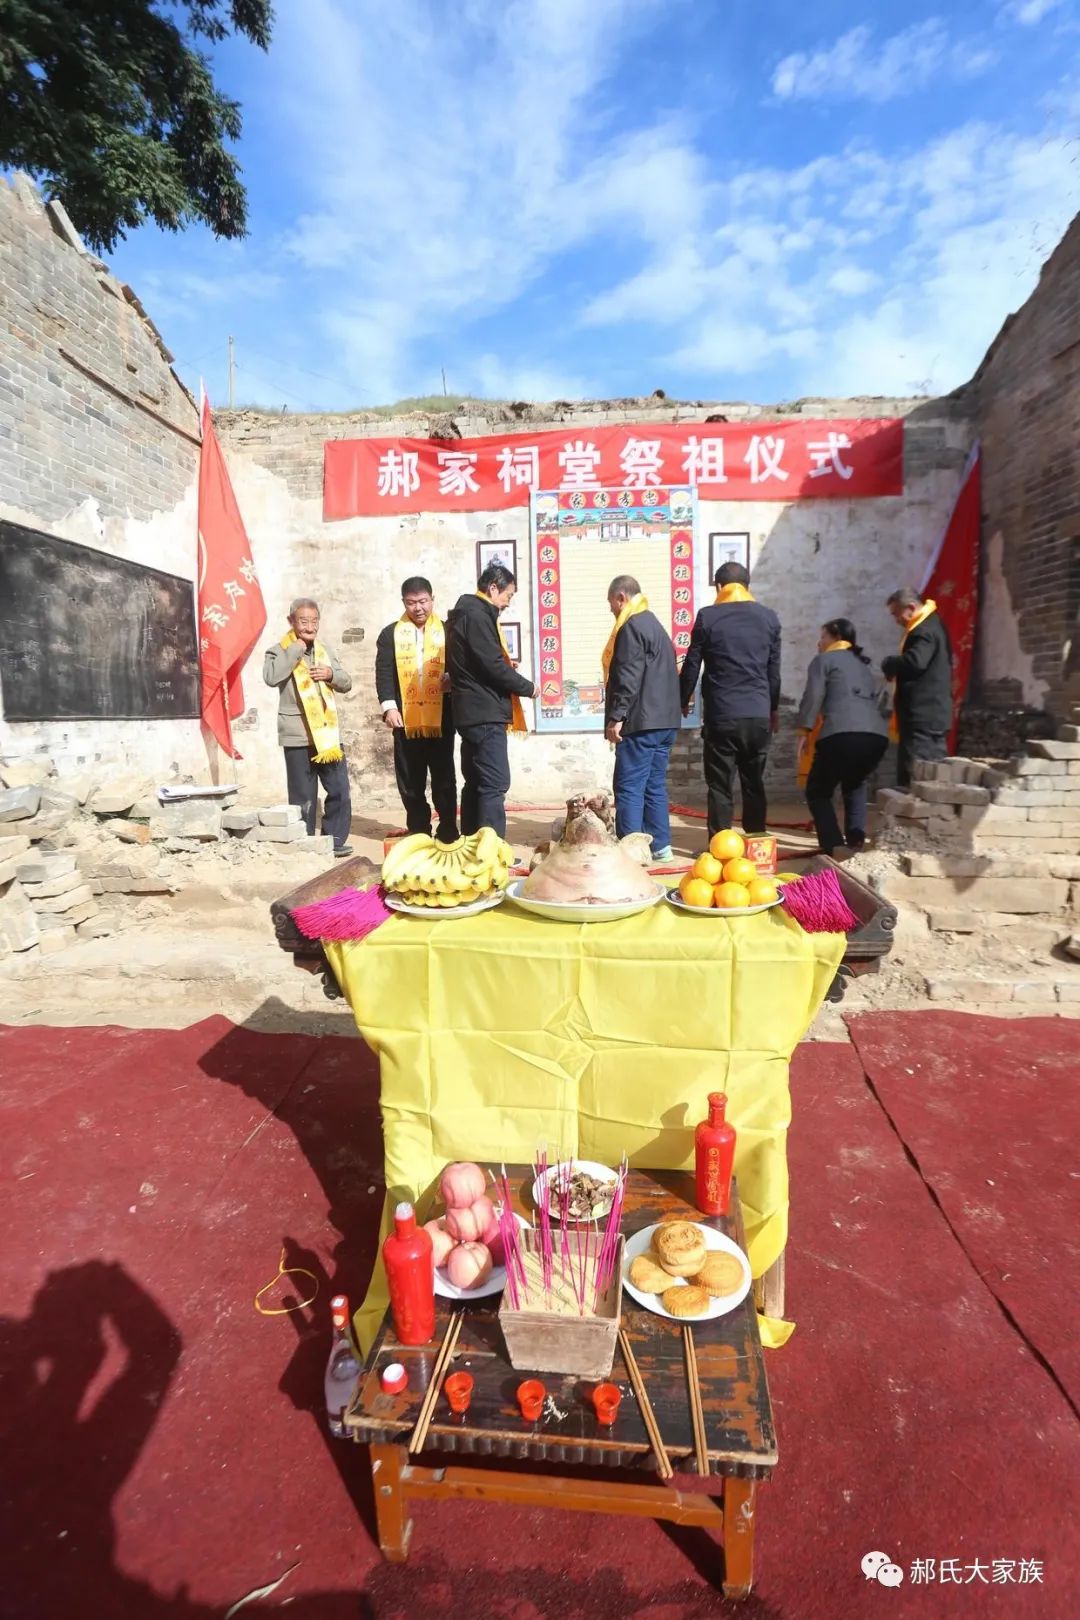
307 675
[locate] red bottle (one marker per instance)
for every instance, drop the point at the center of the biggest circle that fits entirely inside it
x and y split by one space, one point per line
714 1154
410 1272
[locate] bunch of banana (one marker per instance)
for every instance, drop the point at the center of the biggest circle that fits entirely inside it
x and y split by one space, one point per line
427 873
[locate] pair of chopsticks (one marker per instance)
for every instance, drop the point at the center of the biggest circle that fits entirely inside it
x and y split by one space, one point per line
697 1412
442 1362
663 1462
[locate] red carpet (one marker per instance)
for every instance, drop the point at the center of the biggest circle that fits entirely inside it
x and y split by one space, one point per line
990 1111
163 1447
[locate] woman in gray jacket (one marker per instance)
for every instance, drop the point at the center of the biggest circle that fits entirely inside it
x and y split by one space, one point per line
845 732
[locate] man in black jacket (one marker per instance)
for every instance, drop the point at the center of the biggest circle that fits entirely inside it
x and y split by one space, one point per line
737 640
641 714
923 674
487 690
410 664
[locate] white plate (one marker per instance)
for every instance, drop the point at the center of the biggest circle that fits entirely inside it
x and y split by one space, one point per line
641 1243
602 1172
494 1285
676 900
444 913
575 912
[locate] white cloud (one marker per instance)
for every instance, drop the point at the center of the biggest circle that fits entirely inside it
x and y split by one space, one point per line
448 165
960 229
855 67
1029 12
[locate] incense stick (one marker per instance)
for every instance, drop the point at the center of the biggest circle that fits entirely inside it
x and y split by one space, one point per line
442 1361
697 1413
663 1462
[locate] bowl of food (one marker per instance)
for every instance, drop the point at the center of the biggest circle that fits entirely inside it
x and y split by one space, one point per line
580 1188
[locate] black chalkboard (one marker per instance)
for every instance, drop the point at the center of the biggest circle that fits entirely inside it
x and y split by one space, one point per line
87 636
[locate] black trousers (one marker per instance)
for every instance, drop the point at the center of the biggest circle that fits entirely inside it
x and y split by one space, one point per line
485 777
414 758
740 746
304 776
915 743
844 761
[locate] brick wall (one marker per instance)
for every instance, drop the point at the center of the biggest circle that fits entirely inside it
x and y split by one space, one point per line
1027 394
811 560
89 405
98 444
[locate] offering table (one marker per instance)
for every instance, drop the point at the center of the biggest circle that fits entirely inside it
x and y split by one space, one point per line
566 1459
501 1031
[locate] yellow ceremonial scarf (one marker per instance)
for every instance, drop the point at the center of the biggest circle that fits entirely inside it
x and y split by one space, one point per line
636 604
806 756
923 613
517 722
732 593
317 703
421 701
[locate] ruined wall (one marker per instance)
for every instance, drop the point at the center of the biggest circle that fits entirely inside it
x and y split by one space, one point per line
98 443
1027 394
812 560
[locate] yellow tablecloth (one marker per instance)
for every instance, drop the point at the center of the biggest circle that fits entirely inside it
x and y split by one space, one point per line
498 1032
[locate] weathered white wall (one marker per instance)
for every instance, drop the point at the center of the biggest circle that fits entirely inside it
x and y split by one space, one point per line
811 560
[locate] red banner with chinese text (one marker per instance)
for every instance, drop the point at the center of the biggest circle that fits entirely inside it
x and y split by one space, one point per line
952 581
760 461
232 615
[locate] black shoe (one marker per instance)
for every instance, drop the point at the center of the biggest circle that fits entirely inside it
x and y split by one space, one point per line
341 852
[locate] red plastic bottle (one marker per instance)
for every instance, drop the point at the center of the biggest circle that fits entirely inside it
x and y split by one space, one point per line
714 1154
409 1259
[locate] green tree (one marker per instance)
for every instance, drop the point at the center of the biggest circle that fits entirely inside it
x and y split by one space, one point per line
113 107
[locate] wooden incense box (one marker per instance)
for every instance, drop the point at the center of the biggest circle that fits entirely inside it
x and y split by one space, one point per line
548 1332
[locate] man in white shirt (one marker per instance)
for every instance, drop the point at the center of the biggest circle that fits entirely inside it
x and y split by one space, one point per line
410 679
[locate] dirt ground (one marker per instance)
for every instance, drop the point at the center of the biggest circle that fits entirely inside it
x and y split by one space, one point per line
209 948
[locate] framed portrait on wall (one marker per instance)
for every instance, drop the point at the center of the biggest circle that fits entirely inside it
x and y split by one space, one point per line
512 634
725 548
496 551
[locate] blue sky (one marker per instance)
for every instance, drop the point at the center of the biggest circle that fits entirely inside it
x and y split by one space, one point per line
740 199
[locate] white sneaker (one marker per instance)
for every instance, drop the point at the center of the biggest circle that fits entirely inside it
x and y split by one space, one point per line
665 854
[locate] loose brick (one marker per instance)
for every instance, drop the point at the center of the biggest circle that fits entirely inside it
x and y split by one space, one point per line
1061 749
952 793
65 902
1021 898
1039 767
957 987
971 866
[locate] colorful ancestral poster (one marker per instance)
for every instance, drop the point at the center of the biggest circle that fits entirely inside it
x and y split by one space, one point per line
581 541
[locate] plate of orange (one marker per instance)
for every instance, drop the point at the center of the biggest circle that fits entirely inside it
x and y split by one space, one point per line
723 883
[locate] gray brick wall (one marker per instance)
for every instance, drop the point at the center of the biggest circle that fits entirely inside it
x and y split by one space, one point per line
81 371
1028 416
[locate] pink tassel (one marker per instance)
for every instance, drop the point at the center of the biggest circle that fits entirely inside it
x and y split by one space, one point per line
349 914
817 904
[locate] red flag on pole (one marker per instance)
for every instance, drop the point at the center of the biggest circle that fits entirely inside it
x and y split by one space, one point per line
952 581
232 615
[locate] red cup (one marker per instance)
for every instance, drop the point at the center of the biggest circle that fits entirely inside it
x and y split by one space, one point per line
606 1398
530 1396
459 1388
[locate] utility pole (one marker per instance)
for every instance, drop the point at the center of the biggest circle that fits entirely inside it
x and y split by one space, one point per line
444 380
232 373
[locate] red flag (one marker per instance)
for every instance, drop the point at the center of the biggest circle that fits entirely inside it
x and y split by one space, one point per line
952 581
232 615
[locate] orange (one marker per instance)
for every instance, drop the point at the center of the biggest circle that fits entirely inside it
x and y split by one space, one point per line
707 867
695 891
740 871
726 846
762 891
731 894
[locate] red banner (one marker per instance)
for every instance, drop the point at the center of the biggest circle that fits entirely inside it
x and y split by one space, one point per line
746 461
232 616
952 581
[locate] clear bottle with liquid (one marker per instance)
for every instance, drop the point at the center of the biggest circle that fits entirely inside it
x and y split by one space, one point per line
342 1367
